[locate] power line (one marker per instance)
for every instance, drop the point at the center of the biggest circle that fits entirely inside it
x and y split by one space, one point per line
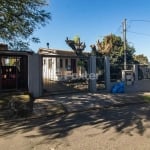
119 30
140 20
130 22
138 33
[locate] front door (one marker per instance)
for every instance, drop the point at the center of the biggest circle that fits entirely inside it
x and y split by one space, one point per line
73 65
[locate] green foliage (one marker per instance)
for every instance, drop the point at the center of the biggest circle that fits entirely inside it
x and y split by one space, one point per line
116 55
77 46
111 45
6 97
105 46
76 39
81 63
19 19
117 51
141 59
146 98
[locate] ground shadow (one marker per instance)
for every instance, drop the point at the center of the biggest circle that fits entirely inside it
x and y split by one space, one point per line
123 119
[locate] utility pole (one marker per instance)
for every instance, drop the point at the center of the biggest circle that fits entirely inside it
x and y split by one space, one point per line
125 44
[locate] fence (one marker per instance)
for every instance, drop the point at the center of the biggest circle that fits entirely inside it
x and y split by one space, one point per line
100 73
64 73
42 73
116 71
143 72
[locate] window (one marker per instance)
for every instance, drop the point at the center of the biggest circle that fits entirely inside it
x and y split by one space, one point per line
66 63
49 63
44 62
61 63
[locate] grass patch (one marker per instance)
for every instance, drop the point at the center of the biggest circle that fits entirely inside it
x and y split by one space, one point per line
18 104
4 100
6 97
146 98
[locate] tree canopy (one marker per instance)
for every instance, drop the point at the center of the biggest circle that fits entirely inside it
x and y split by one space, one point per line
141 59
19 19
76 45
112 45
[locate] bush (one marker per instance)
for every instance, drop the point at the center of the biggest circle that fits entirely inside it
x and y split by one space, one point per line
18 104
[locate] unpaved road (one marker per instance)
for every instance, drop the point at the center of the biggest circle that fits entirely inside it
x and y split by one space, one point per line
124 128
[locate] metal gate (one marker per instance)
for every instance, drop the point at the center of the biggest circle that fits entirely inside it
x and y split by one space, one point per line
100 73
63 74
13 72
116 71
143 72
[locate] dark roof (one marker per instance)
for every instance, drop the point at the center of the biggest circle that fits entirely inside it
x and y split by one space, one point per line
3 46
12 52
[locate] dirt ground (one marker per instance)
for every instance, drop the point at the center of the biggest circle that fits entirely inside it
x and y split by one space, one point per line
125 128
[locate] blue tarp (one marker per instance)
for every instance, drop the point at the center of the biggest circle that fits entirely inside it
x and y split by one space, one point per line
118 87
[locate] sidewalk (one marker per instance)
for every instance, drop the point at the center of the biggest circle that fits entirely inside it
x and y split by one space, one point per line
79 102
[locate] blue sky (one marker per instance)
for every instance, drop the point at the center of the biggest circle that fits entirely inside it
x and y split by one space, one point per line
93 19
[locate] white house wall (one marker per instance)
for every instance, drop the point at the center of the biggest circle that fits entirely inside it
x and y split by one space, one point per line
57 73
49 73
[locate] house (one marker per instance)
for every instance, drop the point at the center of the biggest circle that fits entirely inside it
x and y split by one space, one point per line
60 65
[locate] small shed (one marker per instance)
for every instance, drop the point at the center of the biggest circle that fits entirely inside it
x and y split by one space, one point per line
13 69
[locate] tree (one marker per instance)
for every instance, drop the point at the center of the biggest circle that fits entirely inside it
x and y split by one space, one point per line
78 47
19 19
106 45
141 59
112 46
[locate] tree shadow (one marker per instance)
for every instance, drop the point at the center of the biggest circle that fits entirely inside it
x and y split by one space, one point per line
129 119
